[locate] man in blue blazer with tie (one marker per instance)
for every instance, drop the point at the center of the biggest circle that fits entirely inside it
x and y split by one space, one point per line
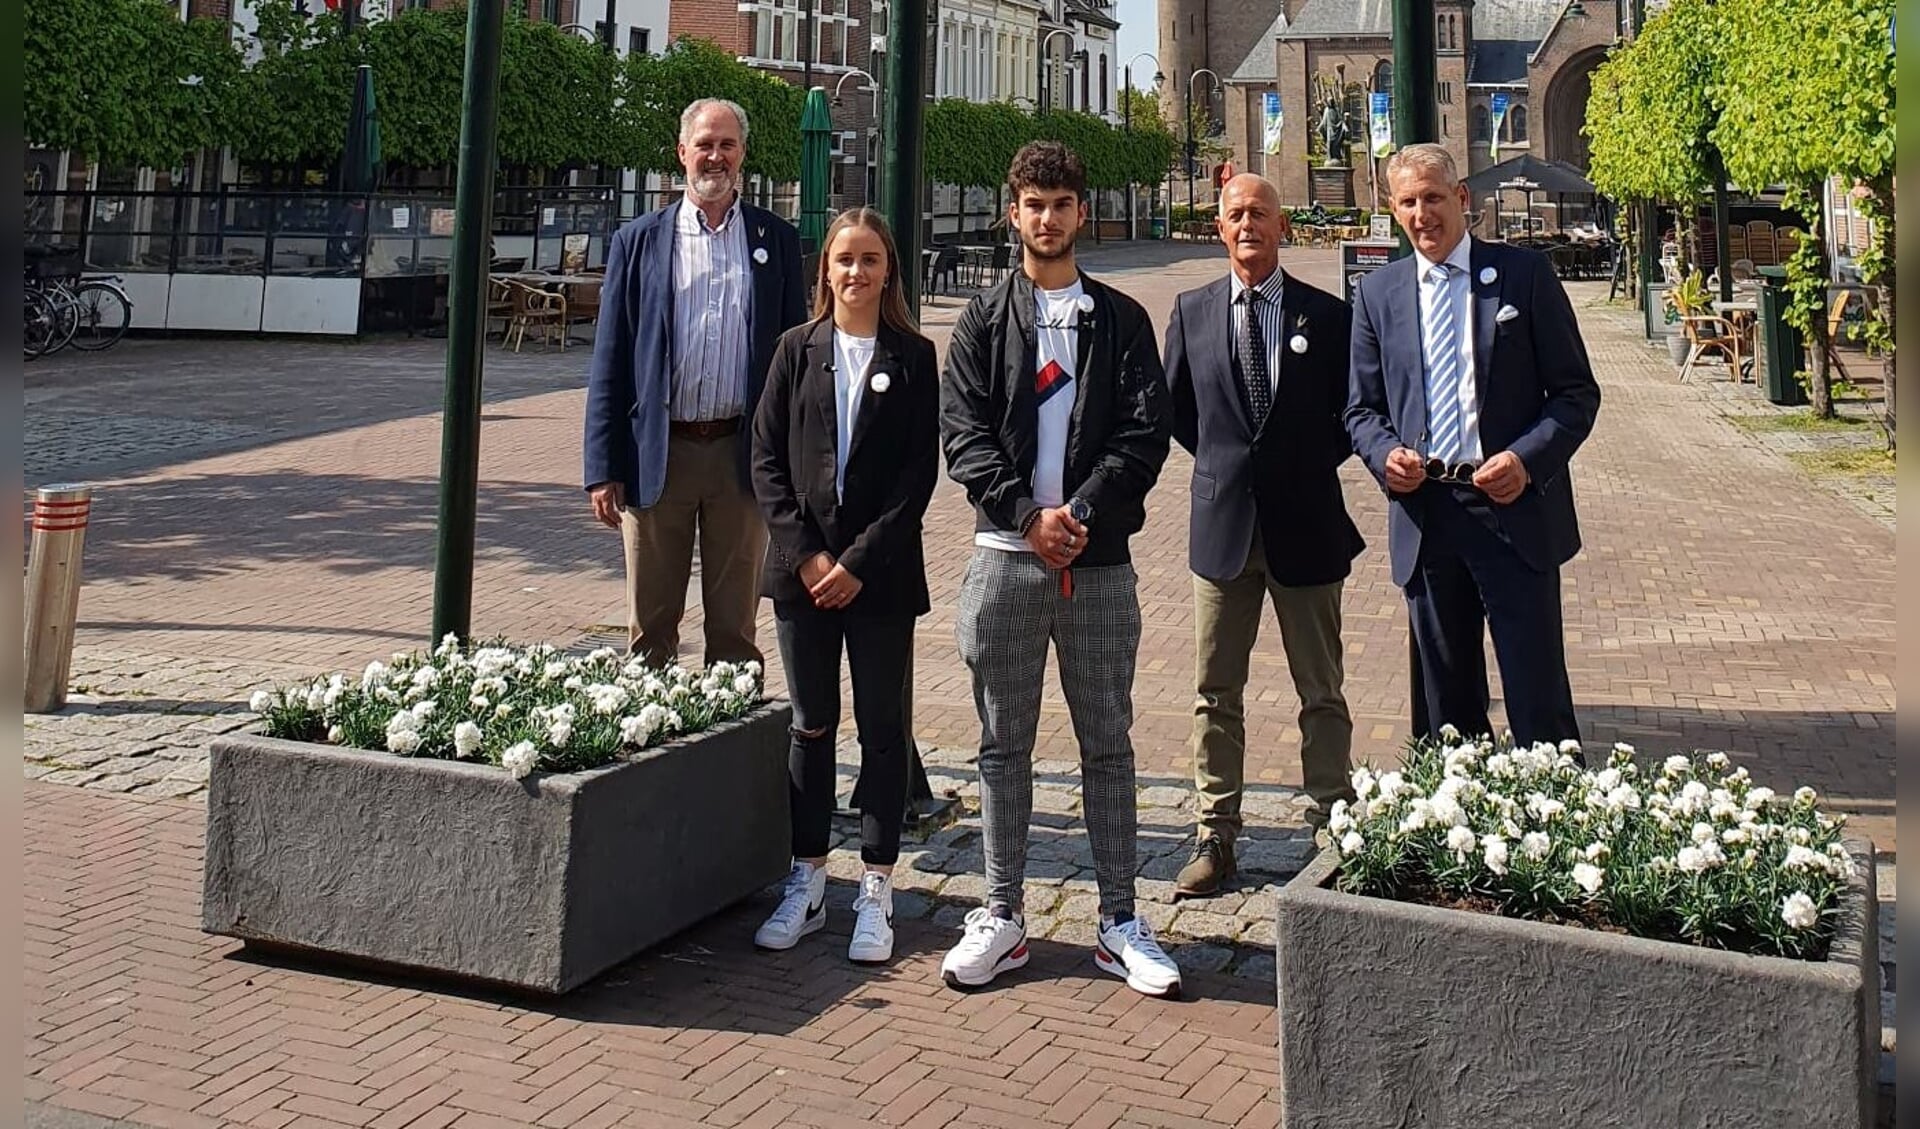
696 295
1470 393
1257 364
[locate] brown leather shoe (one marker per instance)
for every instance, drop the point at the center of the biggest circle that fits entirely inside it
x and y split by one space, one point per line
1210 867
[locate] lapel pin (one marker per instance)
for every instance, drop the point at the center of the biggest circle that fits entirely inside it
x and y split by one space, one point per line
1085 303
760 255
1298 344
1488 275
880 382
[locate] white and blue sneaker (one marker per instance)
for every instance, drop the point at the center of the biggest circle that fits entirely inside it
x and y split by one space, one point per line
1127 949
872 920
991 945
802 909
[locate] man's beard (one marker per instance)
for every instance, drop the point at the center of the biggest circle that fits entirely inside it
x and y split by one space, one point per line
711 186
1065 249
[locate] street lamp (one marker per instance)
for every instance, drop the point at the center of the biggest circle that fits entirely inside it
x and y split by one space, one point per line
1191 150
1044 41
1126 117
872 87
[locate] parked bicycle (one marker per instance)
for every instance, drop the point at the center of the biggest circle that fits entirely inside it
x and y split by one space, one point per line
63 308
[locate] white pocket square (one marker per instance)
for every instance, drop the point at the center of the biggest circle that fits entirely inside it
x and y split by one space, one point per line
1506 314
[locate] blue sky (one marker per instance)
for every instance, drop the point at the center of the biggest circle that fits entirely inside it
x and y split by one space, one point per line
1137 34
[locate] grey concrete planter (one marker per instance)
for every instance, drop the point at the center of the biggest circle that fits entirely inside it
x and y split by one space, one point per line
1410 1015
458 868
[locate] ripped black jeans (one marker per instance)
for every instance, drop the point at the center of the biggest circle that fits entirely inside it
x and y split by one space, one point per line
878 648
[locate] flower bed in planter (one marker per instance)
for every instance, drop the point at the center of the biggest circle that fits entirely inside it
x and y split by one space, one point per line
1396 1009
541 820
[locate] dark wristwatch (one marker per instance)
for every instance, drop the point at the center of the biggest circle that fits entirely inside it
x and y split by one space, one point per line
1080 510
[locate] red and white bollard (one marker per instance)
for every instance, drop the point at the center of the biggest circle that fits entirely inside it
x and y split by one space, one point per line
59 531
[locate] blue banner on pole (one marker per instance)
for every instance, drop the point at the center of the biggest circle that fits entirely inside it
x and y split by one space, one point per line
1271 123
1381 124
1501 100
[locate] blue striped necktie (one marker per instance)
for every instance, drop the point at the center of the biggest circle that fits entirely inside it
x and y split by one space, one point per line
1442 344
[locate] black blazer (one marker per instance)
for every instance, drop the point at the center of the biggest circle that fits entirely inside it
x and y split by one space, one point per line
1285 477
892 465
1538 397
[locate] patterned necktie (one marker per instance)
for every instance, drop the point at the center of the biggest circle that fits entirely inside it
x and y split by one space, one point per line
1442 334
1253 362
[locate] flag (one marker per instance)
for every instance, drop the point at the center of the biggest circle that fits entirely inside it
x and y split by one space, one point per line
1273 119
1500 101
1381 124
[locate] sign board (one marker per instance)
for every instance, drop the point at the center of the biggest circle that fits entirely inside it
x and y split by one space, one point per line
1361 257
573 252
1380 226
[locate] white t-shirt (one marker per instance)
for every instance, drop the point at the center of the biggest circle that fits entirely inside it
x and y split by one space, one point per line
1057 340
851 357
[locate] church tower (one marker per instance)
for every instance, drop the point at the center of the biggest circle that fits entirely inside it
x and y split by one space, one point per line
1216 35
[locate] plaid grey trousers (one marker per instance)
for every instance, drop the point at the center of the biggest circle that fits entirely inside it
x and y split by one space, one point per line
1010 607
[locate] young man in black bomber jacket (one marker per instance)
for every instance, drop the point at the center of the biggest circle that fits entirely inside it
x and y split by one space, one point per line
1053 415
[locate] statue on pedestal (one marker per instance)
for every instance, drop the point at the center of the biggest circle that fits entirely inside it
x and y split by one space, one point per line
1333 132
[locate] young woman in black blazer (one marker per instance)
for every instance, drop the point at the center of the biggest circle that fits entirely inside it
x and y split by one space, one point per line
845 457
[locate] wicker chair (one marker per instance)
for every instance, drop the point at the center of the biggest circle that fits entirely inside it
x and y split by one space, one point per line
532 308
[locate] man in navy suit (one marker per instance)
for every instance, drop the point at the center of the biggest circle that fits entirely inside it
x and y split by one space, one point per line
696 295
1470 393
1257 363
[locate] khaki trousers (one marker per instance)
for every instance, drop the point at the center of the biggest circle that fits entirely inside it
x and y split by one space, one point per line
1226 624
703 495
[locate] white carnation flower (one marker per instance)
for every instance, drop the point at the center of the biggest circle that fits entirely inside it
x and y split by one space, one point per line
559 733
1460 840
1543 807
1570 746
1536 844
1804 858
424 709
479 704
603 655
1798 911
1351 843
466 739
1588 877
574 683
1701 833
1363 782
261 701
1760 798
1804 796
1596 851
1447 811
1494 853
502 712
635 731
425 678
1449 734
1417 815
335 734
1391 785
752 667
745 686
1718 761
1735 836
520 760
552 671
1676 765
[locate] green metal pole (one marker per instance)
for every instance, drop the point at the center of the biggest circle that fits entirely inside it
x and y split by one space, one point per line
902 170
466 325
1416 114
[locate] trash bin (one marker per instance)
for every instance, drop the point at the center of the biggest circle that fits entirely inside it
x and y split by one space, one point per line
1159 227
1781 353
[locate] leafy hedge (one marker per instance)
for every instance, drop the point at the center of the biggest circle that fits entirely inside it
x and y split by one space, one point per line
110 83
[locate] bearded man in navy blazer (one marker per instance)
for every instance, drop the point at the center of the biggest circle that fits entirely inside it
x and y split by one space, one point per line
1257 364
1471 391
695 297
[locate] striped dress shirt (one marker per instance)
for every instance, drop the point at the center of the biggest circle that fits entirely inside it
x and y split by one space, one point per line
1272 320
712 279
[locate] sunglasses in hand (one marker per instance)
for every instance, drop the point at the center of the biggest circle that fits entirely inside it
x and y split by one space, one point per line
1442 471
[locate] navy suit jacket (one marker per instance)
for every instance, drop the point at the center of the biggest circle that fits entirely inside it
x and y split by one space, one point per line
1538 397
1284 478
630 383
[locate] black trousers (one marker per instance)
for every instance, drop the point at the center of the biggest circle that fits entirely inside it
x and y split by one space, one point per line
878 648
1469 581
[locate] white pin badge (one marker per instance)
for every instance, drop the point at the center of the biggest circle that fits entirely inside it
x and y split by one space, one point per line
1085 303
760 255
880 382
1488 275
1298 344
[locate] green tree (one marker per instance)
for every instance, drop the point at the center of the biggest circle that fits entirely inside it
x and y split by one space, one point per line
1807 93
658 87
292 103
125 81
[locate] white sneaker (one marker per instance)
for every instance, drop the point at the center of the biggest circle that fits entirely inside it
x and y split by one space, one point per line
1129 951
802 909
990 946
873 920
